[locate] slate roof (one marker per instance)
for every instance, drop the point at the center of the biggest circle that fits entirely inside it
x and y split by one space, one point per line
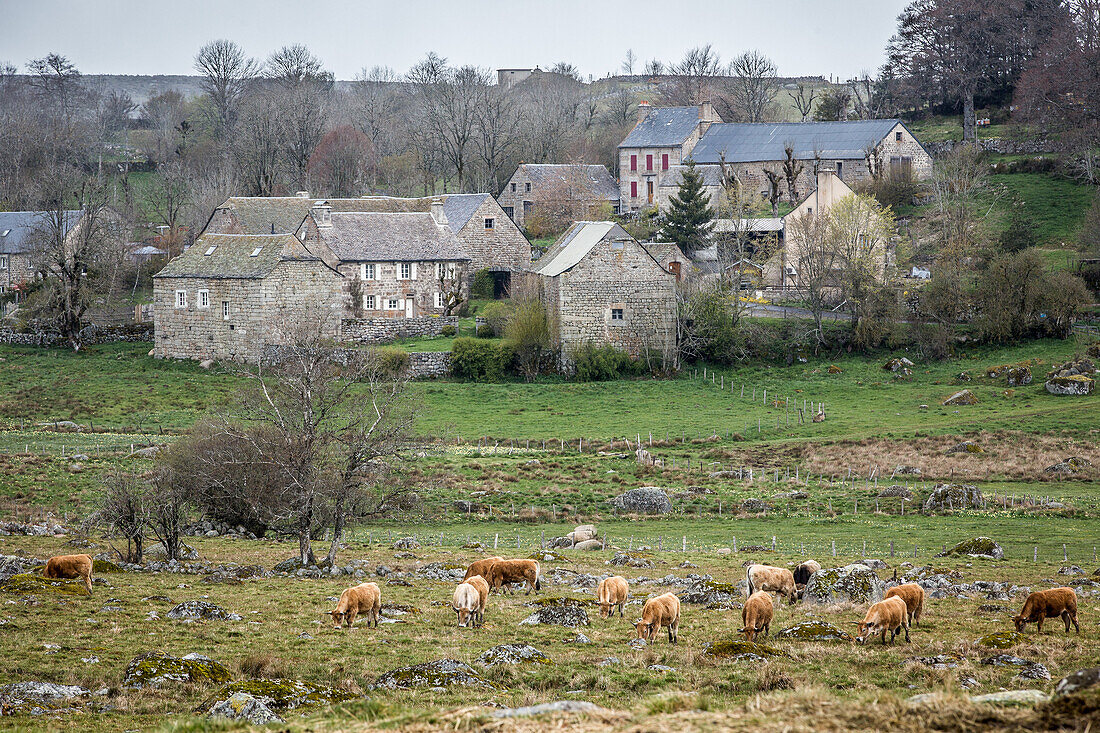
575 244
17 228
764 224
391 237
753 142
674 176
232 257
662 251
599 181
260 214
663 127
458 207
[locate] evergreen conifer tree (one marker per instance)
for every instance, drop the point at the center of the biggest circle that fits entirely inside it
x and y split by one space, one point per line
690 219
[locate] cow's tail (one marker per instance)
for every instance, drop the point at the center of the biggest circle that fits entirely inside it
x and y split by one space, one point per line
748 579
538 574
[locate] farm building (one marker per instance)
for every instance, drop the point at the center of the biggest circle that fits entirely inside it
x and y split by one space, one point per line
576 190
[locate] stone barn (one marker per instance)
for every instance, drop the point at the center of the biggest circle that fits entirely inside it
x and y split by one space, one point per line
601 286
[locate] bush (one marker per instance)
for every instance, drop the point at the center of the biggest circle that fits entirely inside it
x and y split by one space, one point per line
497 313
481 361
603 363
482 288
393 361
529 333
1017 299
485 331
709 328
448 331
896 188
1022 232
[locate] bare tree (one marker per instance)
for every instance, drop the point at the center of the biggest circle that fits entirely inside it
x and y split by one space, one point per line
753 86
166 126
792 169
497 135
304 89
775 183
226 74
629 61
694 78
654 67
815 256
258 144
450 286
449 99
803 98
168 194
122 508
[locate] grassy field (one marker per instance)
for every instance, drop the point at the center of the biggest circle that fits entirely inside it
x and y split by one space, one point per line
808 685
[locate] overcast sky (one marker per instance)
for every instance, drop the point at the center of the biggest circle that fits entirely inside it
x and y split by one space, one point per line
827 37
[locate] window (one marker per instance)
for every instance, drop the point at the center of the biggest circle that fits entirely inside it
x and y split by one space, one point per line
406 271
181 298
490 222
225 310
664 161
256 252
901 165
439 300
3 262
633 162
633 189
527 187
616 314
509 211
210 250
649 162
897 136
370 302
513 188
204 298
441 271
366 271
840 169
392 304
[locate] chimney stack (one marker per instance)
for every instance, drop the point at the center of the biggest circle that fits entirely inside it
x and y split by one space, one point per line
706 117
302 194
437 212
643 111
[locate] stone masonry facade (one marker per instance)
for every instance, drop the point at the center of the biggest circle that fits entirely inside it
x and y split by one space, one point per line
399 290
381 330
501 246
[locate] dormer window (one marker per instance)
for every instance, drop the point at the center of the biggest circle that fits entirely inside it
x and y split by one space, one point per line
256 252
322 214
210 250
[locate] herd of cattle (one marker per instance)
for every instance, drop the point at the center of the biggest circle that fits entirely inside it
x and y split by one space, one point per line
901 607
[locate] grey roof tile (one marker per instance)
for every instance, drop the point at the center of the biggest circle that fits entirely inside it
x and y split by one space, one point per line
17 229
391 237
232 256
601 184
752 142
663 127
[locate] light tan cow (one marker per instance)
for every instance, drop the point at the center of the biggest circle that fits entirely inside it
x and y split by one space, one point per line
465 603
657 612
612 592
70 567
480 567
483 596
771 578
886 615
757 615
364 598
913 595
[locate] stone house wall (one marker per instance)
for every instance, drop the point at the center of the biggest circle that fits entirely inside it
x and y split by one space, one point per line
292 291
516 200
18 270
388 286
501 248
643 176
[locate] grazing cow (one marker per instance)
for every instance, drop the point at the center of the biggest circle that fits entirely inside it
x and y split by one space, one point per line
364 598
757 615
657 612
803 572
888 615
770 578
480 567
1044 604
483 596
612 592
506 572
913 595
465 603
70 567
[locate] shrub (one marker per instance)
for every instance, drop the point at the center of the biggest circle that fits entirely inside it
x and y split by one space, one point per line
896 188
497 313
1022 231
603 363
529 333
481 361
482 288
448 331
709 327
485 331
393 361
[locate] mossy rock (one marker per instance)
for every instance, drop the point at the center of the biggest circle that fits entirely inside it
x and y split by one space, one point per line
1001 640
977 547
105 566
25 583
854 583
157 668
962 397
280 694
834 369
813 631
1074 384
553 601
547 556
739 648
38 698
513 654
440 673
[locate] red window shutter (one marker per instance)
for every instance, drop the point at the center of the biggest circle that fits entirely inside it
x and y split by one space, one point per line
633 189
664 161
633 162
649 162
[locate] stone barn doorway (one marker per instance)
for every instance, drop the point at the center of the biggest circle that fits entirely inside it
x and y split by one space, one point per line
502 284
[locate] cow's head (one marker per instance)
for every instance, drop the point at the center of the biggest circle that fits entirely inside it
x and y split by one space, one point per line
337 617
867 629
644 629
1020 621
464 616
605 610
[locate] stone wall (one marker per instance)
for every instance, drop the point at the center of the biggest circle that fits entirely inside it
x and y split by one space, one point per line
643 175
91 335
392 292
999 146
381 330
429 364
501 248
18 270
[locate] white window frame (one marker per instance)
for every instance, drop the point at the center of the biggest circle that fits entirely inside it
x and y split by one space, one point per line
440 270
368 271
181 298
405 271
3 262
226 310
490 222
370 302
204 299
394 304
439 300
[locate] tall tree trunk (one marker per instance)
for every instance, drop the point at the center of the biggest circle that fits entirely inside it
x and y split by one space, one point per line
305 548
970 121
337 529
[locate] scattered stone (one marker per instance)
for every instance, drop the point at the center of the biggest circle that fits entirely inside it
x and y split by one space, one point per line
661 668
962 397
707 592
37 698
11 565
951 497
793 495
978 547
633 559
754 506
440 673
813 631
1073 385
406 543
279 695
557 615
583 533
895 491
512 654
588 545
907 471
925 698
1070 570
638 644
899 365
1013 697
578 638
994 608
874 563
740 650
854 583
1034 671
940 661
1079 680
242 706
723 551
645 500
612 661
305 636
201 610
1072 464
561 706
157 668
1006 660
1000 640
966 446
968 682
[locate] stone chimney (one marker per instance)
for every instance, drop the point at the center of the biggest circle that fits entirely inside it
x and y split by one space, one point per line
438 213
643 111
706 117
302 194
322 214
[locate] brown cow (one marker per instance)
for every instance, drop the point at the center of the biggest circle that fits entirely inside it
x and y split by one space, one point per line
612 592
657 612
1044 604
506 572
770 578
483 596
757 615
803 572
480 567
887 615
913 595
364 598
70 567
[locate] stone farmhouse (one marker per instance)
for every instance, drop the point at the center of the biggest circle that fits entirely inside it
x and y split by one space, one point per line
664 137
227 296
669 184
600 285
573 188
